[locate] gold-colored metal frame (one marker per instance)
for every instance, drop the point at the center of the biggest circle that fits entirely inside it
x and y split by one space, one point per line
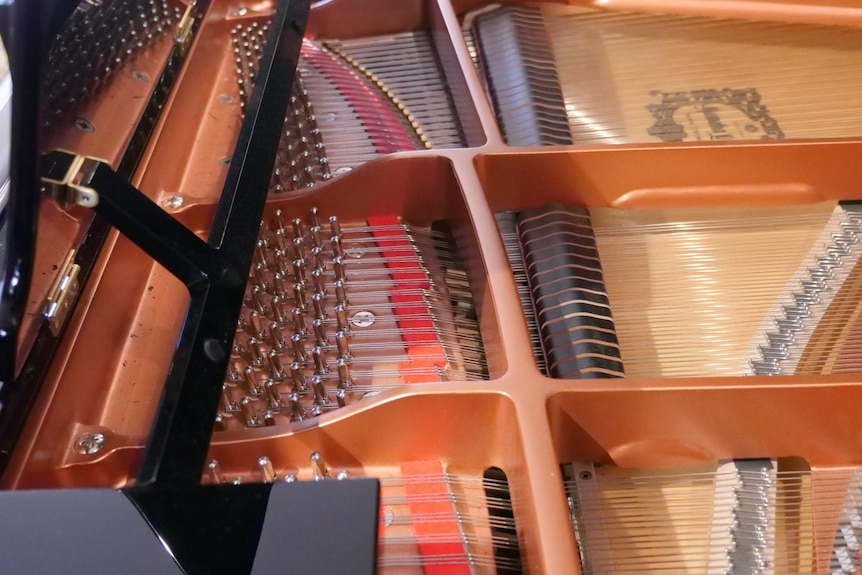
115 355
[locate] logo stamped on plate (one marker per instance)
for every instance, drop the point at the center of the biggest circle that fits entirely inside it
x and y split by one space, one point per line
711 115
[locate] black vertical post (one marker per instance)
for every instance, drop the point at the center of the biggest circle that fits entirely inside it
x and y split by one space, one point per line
25 48
178 442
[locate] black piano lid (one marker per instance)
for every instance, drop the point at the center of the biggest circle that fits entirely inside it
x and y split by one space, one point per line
214 271
25 36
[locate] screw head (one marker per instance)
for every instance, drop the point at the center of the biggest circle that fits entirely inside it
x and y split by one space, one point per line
241 11
84 125
586 475
225 161
363 319
90 443
225 98
140 76
173 202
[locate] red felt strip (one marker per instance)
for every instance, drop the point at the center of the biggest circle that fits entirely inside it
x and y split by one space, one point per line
427 494
414 321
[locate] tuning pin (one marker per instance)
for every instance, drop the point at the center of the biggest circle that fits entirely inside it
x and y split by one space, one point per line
316 237
298 377
299 325
279 287
281 240
341 398
299 296
227 403
234 372
258 273
278 220
299 250
319 360
340 293
275 364
314 217
260 255
334 227
317 281
255 324
282 262
298 228
251 386
267 472
320 395
273 394
214 472
318 468
297 410
337 248
278 309
249 411
255 351
317 259
299 271
257 297
341 321
317 302
276 335
341 344
299 353
319 330
338 267
344 380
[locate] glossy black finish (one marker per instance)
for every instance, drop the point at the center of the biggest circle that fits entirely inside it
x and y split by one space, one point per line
256 529
19 397
24 169
319 527
181 432
78 532
208 529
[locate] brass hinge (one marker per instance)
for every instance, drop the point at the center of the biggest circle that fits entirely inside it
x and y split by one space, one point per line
183 35
72 186
62 292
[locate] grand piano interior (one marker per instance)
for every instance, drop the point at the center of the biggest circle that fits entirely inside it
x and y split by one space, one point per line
577 282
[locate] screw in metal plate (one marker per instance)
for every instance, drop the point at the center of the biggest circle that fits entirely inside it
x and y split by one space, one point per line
90 443
84 125
388 516
241 11
225 98
140 76
225 161
342 170
173 202
363 319
586 475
